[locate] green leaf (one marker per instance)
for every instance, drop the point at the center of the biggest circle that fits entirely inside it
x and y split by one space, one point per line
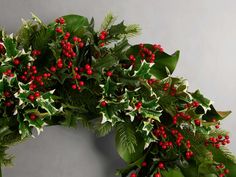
129 144
24 129
105 62
204 102
75 24
162 62
10 45
143 69
173 173
103 129
110 87
117 29
213 114
150 113
108 21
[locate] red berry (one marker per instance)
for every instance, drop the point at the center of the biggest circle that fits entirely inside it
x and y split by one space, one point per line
37 94
8 103
31 97
60 65
133 175
53 69
16 61
59 30
81 45
226 171
109 73
33 116
74 86
81 83
197 122
102 37
89 72
7 94
161 165
157 175
103 103
144 164
87 67
132 58
75 39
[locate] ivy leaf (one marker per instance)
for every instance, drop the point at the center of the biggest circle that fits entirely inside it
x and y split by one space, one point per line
126 142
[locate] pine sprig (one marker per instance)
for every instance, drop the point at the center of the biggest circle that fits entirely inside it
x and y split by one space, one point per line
108 21
132 30
103 129
125 134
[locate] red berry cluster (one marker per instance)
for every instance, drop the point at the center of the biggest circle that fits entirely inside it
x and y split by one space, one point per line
172 88
218 141
9 73
193 104
180 115
147 54
60 20
36 53
222 170
103 35
158 47
179 137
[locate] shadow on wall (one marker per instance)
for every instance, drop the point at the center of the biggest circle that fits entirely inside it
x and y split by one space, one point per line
106 147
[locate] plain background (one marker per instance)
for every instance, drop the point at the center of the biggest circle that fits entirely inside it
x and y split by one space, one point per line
205 33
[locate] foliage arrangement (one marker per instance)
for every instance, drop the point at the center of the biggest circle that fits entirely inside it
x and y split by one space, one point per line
66 72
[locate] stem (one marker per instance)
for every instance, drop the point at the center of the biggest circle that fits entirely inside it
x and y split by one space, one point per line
0 171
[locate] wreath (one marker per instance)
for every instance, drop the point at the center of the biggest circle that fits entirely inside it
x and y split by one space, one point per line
66 72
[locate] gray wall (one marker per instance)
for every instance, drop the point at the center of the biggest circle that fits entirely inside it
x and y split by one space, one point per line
205 33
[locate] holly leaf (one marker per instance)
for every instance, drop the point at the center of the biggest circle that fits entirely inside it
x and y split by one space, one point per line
117 29
10 44
24 129
147 127
143 70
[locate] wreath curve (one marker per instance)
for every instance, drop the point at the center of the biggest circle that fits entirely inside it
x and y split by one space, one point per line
66 72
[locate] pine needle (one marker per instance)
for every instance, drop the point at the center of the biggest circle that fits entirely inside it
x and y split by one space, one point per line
126 136
108 21
133 30
103 129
